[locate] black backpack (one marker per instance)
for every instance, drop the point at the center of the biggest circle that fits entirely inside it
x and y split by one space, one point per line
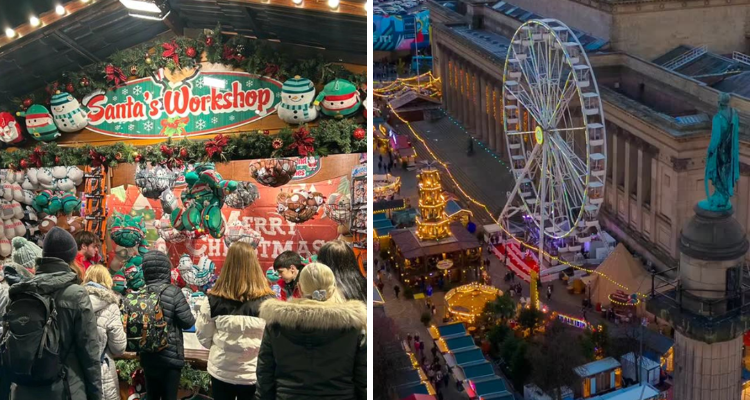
30 349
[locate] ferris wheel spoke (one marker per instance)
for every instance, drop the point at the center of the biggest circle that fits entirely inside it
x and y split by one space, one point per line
563 99
533 96
563 178
573 167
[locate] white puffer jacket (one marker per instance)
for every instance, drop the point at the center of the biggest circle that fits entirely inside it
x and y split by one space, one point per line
233 333
111 336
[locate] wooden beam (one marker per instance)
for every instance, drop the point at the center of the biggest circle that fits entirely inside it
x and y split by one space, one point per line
345 7
174 23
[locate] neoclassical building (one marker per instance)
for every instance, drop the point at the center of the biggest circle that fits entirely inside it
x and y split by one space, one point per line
659 82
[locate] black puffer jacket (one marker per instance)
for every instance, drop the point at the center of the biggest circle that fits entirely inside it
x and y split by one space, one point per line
78 334
313 350
156 272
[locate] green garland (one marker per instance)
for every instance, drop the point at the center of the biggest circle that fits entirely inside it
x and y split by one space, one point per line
190 378
144 60
329 137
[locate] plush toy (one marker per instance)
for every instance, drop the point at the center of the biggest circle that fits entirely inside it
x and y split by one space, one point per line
339 98
39 123
128 231
185 268
299 206
238 232
10 130
154 181
273 278
297 96
273 172
245 195
338 208
47 223
167 232
119 281
68 114
202 201
177 279
168 201
196 274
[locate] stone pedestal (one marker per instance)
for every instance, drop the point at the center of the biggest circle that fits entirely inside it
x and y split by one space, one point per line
707 371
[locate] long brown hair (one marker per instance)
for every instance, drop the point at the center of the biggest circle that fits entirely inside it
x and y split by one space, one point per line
241 278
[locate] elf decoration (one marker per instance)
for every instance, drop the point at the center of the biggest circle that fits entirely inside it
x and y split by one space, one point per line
273 172
39 123
297 97
10 130
300 206
338 99
202 201
68 114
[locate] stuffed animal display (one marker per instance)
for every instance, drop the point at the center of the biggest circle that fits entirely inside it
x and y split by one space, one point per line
238 232
153 181
339 99
299 206
202 201
196 274
39 123
245 195
339 208
168 233
273 172
297 97
130 232
68 114
10 131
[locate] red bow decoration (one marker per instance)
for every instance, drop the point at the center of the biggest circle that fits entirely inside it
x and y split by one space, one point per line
170 51
303 142
271 70
230 53
115 74
36 156
216 145
97 160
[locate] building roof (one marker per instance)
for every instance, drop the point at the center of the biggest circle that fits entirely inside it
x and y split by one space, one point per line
408 390
636 392
738 84
383 205
490 386
452 207
411 100
646 362
478 371
451 330
489 41
469 356
460 343
411 247
699 62
597 367
651 340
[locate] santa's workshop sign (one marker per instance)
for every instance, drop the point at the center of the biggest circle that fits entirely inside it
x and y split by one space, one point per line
179 106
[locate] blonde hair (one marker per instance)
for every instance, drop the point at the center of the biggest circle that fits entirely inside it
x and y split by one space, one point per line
241 277
317 276
99 274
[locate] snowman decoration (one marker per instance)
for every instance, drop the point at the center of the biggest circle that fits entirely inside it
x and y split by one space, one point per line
68 113
339 99
297 96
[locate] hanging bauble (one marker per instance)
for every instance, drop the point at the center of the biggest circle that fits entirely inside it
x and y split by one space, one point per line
69 88
266 132
277 143
133 70
138 158
24 164
209 41
27 102
57 159
245 195
359 133
190 52
154 181
84 81
299 206
183 154
338 208
273 172
148 60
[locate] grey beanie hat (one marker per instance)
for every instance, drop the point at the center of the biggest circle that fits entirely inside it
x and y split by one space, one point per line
59 243
25 253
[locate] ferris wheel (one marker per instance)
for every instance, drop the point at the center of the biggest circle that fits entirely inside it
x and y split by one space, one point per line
555 134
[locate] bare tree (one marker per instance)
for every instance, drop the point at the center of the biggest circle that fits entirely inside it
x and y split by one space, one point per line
554 362
385 361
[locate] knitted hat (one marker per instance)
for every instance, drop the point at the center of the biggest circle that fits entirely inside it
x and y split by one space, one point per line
59 243
15 273
25 253
297 85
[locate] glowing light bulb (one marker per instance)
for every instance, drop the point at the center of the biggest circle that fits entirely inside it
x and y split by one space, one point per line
60 10
297 2
10 33
334 4
34 21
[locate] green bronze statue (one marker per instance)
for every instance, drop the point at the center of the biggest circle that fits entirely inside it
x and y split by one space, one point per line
723 158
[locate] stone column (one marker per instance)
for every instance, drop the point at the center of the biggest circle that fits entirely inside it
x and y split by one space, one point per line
705 371
639 189
485 115
615 206
654 188
492 133
627 182
500 132
459 91
466 96
448 79
477 103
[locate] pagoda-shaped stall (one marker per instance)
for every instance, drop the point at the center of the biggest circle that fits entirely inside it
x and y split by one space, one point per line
433 222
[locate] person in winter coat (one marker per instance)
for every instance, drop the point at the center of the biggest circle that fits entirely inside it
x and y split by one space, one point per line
163 369
25 253
106 304
350 282
229 325
76 322
313 347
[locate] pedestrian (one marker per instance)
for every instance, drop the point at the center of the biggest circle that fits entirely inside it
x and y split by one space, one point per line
439 395
396 289
381 285
162 369
229 320
380 165
421 348
512 292
434 351
408 339
431 376
584 313
380 157
111 334
446 375
416 337
434 310
318 340
512 277
79 363
549 292
438 378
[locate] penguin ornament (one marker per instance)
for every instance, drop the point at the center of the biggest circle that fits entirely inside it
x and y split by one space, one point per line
297 96
338 99
40 124
68 114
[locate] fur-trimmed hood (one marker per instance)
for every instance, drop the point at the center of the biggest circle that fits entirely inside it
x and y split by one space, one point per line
101 297
309 314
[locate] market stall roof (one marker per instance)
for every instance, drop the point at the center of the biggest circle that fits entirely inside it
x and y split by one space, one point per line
449 331
413 101
405 217
621 267
491 386
382 206
90 32
399 142
653 341
492 228
408 390
411 247
469 357
635 392
406 377
452 207
646 362
473 372
460 343
597 367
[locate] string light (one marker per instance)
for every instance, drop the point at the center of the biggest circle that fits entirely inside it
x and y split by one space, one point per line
297 2
34 21
60 10
486 209
333 4
10 33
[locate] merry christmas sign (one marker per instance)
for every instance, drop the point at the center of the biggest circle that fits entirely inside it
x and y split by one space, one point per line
178 106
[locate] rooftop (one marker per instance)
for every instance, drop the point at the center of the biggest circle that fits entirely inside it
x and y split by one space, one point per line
411 247
637 392
597 367
479 370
